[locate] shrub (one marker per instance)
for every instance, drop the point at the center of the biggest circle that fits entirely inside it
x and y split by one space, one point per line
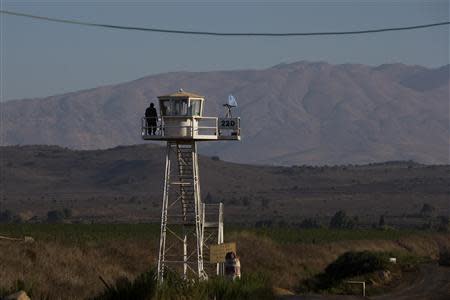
143 287
349 264
444 257
309 223
352 264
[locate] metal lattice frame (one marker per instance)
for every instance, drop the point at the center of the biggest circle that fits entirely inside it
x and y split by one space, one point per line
181 239
212 221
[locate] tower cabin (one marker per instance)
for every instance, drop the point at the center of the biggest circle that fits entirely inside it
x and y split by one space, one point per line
180 118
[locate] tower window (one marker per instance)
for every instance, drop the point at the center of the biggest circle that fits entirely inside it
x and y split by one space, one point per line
196 107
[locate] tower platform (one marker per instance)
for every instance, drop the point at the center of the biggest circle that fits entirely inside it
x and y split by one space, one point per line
187 128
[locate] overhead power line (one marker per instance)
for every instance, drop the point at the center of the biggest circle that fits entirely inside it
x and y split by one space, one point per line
210 33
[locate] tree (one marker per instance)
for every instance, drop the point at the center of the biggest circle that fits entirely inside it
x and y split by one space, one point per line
6 216
427 210
67 212
55 216
340 220
444 224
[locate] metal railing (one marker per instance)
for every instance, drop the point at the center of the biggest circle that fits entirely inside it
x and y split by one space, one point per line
205 126
162 127
187 127
151 126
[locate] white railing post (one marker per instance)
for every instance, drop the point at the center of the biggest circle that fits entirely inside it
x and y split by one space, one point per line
363 284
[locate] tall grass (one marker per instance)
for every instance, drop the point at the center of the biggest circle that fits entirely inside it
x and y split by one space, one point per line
251 286
143 287
66 259
18 285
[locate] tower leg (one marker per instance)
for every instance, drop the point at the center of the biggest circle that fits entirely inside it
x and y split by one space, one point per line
185 254
198 214
219 268
163 233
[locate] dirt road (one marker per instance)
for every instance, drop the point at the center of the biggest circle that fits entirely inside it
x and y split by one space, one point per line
431 283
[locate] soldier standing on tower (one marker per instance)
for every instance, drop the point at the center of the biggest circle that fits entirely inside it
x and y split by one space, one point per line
151 116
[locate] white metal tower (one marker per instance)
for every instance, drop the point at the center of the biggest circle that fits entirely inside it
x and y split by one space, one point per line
188 226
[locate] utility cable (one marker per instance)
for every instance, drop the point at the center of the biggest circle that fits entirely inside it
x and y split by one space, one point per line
209 33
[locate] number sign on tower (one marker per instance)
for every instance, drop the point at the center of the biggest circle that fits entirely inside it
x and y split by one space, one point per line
188 226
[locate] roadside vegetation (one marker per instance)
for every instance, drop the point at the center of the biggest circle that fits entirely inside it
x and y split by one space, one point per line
67 260
372 267
251 286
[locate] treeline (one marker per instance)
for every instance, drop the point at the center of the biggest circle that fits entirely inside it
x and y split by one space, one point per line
341 220
7 216
53 216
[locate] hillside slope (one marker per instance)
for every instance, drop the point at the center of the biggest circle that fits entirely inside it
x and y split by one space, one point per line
125 184
300 113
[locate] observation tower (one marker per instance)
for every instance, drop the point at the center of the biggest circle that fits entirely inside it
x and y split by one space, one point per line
188 226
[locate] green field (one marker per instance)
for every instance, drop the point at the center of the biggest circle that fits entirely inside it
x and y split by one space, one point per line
82 233
325 235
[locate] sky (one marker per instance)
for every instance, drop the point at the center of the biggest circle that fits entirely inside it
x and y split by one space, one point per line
40 59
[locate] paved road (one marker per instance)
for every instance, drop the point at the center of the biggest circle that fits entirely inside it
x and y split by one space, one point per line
321 297
431 283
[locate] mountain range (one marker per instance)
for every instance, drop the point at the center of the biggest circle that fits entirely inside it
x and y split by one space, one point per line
291 114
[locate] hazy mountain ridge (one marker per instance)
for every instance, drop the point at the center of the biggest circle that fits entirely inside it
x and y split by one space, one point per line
299 113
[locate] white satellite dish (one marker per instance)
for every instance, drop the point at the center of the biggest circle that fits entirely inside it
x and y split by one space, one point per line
232 101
